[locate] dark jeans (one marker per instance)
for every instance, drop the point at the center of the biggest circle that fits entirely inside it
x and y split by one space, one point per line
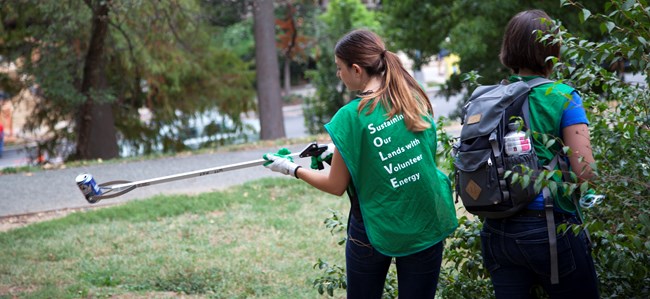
516 253
366 268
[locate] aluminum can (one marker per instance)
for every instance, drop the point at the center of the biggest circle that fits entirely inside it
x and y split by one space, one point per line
88 186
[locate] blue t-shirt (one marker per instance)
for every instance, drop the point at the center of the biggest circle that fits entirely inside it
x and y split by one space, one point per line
573 114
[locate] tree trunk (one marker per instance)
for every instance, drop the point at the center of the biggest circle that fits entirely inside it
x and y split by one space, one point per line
287 76
96 134
267 72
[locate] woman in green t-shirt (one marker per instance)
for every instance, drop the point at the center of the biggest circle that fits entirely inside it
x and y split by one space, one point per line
517 251
385 146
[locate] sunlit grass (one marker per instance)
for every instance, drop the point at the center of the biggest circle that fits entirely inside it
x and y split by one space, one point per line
257 240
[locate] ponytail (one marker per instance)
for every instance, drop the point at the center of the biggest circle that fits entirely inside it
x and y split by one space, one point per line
400 93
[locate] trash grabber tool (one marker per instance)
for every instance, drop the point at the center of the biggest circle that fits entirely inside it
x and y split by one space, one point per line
95 192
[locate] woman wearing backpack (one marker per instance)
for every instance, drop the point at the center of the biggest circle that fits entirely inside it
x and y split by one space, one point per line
385 138
516 249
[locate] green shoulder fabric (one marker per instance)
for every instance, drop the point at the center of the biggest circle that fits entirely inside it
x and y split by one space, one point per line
405 200
547 103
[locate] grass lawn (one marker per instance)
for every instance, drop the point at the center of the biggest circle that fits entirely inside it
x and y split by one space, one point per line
257 240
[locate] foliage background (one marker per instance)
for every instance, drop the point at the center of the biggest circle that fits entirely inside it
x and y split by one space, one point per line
340 17
619 117
596 35
160 55
190 58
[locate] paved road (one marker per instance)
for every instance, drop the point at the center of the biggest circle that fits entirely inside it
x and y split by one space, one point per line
14 156
56 189
50 190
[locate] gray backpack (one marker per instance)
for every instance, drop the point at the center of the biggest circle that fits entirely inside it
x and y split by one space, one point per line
480 159
481 162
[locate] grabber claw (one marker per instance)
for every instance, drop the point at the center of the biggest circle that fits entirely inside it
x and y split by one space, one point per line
94 192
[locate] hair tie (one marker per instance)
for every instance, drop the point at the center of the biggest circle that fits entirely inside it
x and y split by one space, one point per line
383 53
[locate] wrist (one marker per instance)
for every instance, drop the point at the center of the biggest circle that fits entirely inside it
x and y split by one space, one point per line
295 171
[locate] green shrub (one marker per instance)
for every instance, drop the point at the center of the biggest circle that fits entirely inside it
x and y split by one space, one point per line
619 115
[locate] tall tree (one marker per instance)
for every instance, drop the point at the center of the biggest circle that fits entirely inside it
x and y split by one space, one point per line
96 132
288 42
405 22
340 17
93 69
268 72
470 29
295 36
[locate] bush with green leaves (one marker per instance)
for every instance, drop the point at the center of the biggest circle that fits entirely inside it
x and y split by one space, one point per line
333 277
618 112
462 274
618 109
620 132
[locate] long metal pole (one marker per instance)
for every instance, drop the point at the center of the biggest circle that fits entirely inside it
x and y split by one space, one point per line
190 174
95 192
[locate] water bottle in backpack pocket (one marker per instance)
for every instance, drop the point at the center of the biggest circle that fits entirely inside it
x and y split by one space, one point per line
490 145
522 165
516 142
481 185
520 158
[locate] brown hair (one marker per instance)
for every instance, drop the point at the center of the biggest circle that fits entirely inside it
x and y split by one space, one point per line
522 49
399 93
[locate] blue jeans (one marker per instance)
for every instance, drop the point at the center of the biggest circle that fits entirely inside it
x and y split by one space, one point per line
366 268
516 253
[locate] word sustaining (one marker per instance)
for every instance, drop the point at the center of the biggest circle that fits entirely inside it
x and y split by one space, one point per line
393 151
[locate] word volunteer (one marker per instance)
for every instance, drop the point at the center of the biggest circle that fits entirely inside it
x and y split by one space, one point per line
393 152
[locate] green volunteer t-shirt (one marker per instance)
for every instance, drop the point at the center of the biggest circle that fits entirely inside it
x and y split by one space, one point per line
547 103
405 199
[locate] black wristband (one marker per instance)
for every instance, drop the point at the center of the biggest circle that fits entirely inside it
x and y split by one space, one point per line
295 172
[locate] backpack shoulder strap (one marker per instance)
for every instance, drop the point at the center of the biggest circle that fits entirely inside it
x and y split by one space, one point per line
538 81
552 237
526 108
558 160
